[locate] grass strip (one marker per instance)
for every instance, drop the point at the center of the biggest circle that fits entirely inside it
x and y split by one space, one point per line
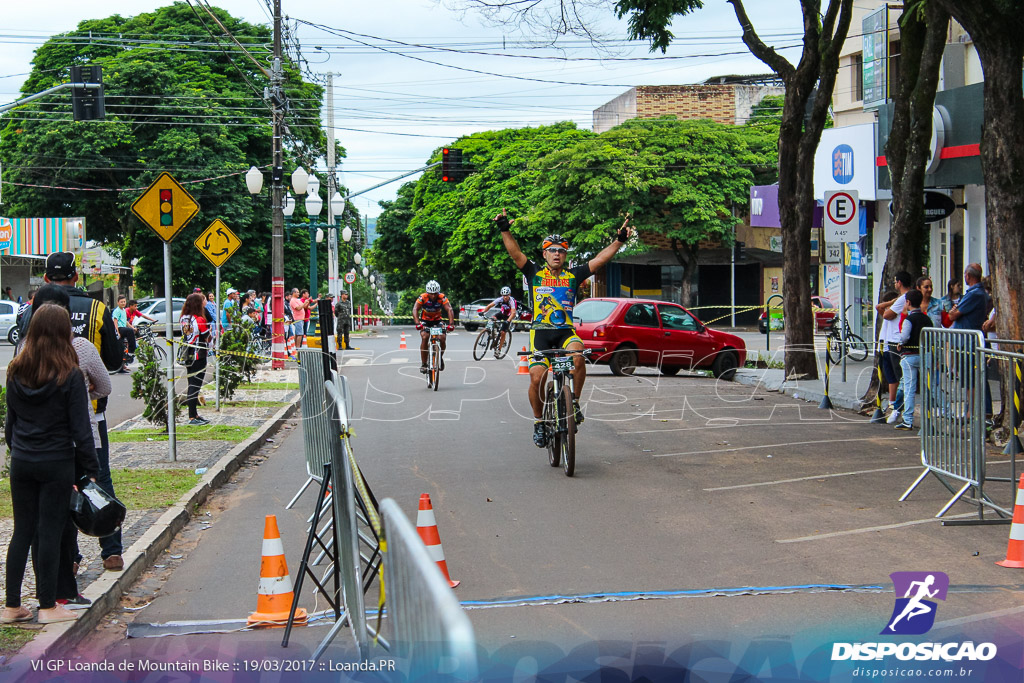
255 404
185 433
269 386
12 639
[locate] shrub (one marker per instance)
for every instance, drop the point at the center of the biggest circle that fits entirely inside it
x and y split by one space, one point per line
149 384
237 364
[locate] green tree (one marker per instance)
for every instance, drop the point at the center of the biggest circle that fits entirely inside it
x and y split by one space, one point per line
177 100
686 181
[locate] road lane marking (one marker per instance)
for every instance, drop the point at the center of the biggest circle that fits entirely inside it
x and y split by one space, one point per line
784 445
820 476
865 530
984 616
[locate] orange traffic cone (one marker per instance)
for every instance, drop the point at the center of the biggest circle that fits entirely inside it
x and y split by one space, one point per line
1015 549
402 345
290 347
274 601
524 365
426 526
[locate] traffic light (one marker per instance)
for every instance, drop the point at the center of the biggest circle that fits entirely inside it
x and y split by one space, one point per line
166 209
740 251
87 103
451 165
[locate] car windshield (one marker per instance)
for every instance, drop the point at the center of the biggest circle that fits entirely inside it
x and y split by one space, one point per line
593 310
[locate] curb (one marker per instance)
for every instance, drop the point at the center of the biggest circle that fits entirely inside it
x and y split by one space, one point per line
106 591
757 378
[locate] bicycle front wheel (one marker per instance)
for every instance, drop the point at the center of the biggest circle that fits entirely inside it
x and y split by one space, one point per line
483 342
550 424
856 347
502 351
435 367
159 352
567 419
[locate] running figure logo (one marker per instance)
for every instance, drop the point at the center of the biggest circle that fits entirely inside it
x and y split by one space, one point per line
914 612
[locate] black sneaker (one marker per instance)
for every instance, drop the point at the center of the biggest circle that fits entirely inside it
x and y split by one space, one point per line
423 369
198 422
579 412
540 439
78 602
904 425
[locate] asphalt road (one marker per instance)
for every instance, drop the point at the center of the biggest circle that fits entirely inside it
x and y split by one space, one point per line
700 511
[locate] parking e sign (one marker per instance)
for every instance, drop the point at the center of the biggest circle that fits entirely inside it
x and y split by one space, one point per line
841 219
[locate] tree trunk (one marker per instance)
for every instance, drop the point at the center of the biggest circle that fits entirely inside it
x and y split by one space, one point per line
996 29
686 254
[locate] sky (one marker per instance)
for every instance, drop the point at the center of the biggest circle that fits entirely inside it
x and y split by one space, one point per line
393 109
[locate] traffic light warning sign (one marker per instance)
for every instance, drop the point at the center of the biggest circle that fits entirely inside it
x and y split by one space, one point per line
166 207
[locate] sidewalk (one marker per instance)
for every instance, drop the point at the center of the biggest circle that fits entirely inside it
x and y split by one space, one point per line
146 532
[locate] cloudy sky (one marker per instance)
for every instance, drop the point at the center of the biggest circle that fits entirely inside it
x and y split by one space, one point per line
413 75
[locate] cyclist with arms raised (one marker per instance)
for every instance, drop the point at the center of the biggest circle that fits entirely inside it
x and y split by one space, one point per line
506 312
553 289
426 312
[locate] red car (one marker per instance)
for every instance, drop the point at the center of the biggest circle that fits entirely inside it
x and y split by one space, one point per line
626 333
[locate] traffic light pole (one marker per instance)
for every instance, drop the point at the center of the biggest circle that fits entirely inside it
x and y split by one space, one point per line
169 331
277 209
50 91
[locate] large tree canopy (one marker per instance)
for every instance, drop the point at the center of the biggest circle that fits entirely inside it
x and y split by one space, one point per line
177 100
678 179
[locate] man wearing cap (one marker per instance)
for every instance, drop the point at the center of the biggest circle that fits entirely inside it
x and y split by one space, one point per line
90 319
343 315
225 315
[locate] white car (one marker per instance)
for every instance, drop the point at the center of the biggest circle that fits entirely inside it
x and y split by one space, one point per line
156 307
9 320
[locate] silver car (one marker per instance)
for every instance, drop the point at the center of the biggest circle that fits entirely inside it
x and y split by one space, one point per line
156 307
472 320
9 321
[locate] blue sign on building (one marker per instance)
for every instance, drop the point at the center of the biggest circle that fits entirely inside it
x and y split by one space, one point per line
842 164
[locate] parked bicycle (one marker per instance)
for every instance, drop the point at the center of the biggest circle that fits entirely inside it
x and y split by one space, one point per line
854 345
490 338
434 365
144 334
558 417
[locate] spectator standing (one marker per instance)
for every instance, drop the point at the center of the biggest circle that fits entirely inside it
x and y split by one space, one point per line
49 435
343 316
195 331
120 317
892 313
972 310
910 353
929 304
228 311
211 312
91 319
8 294
300 317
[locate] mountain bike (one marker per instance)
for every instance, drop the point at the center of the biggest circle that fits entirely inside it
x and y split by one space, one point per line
434 357
489 338
144 334
854 345
558 417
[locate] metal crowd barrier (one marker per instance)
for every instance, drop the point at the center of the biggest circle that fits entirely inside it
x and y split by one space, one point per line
1005 366
316 427
430 631
952 385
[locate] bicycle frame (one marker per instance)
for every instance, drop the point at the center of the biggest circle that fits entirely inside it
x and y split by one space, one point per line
434 357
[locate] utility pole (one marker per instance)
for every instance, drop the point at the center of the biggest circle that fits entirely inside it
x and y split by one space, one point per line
332 187
277 175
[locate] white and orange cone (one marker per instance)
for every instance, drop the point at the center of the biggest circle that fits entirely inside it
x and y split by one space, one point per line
1015 548
401 344
289 347
426 526
274 602
524 365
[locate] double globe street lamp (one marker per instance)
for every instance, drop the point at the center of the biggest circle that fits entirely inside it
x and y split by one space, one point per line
304 183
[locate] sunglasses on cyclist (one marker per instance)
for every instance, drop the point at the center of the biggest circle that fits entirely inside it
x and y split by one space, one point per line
556 250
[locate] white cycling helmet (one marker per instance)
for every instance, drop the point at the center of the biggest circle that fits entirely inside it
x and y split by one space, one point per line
433 287
506 291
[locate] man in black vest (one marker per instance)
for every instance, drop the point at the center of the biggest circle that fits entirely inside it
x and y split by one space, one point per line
910 353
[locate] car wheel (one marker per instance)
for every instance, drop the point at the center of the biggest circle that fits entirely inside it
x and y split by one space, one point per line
623 362
470 327
12 335
670 370
725 365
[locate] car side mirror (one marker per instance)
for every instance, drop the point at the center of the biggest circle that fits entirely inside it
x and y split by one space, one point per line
578 321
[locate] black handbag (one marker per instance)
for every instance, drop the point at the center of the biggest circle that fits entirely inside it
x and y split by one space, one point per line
95 512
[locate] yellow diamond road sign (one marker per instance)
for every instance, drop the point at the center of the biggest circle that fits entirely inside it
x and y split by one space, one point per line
165 207
218 243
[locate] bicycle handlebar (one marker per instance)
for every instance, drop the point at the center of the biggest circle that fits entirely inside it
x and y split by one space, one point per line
552 353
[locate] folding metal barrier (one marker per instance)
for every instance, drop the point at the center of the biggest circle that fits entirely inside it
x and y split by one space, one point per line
429 629
952 382
316 429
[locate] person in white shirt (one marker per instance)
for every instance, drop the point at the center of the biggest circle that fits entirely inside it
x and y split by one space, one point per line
890 336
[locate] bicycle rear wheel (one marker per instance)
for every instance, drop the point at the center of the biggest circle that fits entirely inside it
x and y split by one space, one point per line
159 352
568 441
483 342
554 447
502 351
856 347
435 366
835 348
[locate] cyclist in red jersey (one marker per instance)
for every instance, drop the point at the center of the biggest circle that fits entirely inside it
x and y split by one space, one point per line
426 313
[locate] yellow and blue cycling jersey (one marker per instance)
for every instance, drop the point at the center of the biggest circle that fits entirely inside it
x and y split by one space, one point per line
552 300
